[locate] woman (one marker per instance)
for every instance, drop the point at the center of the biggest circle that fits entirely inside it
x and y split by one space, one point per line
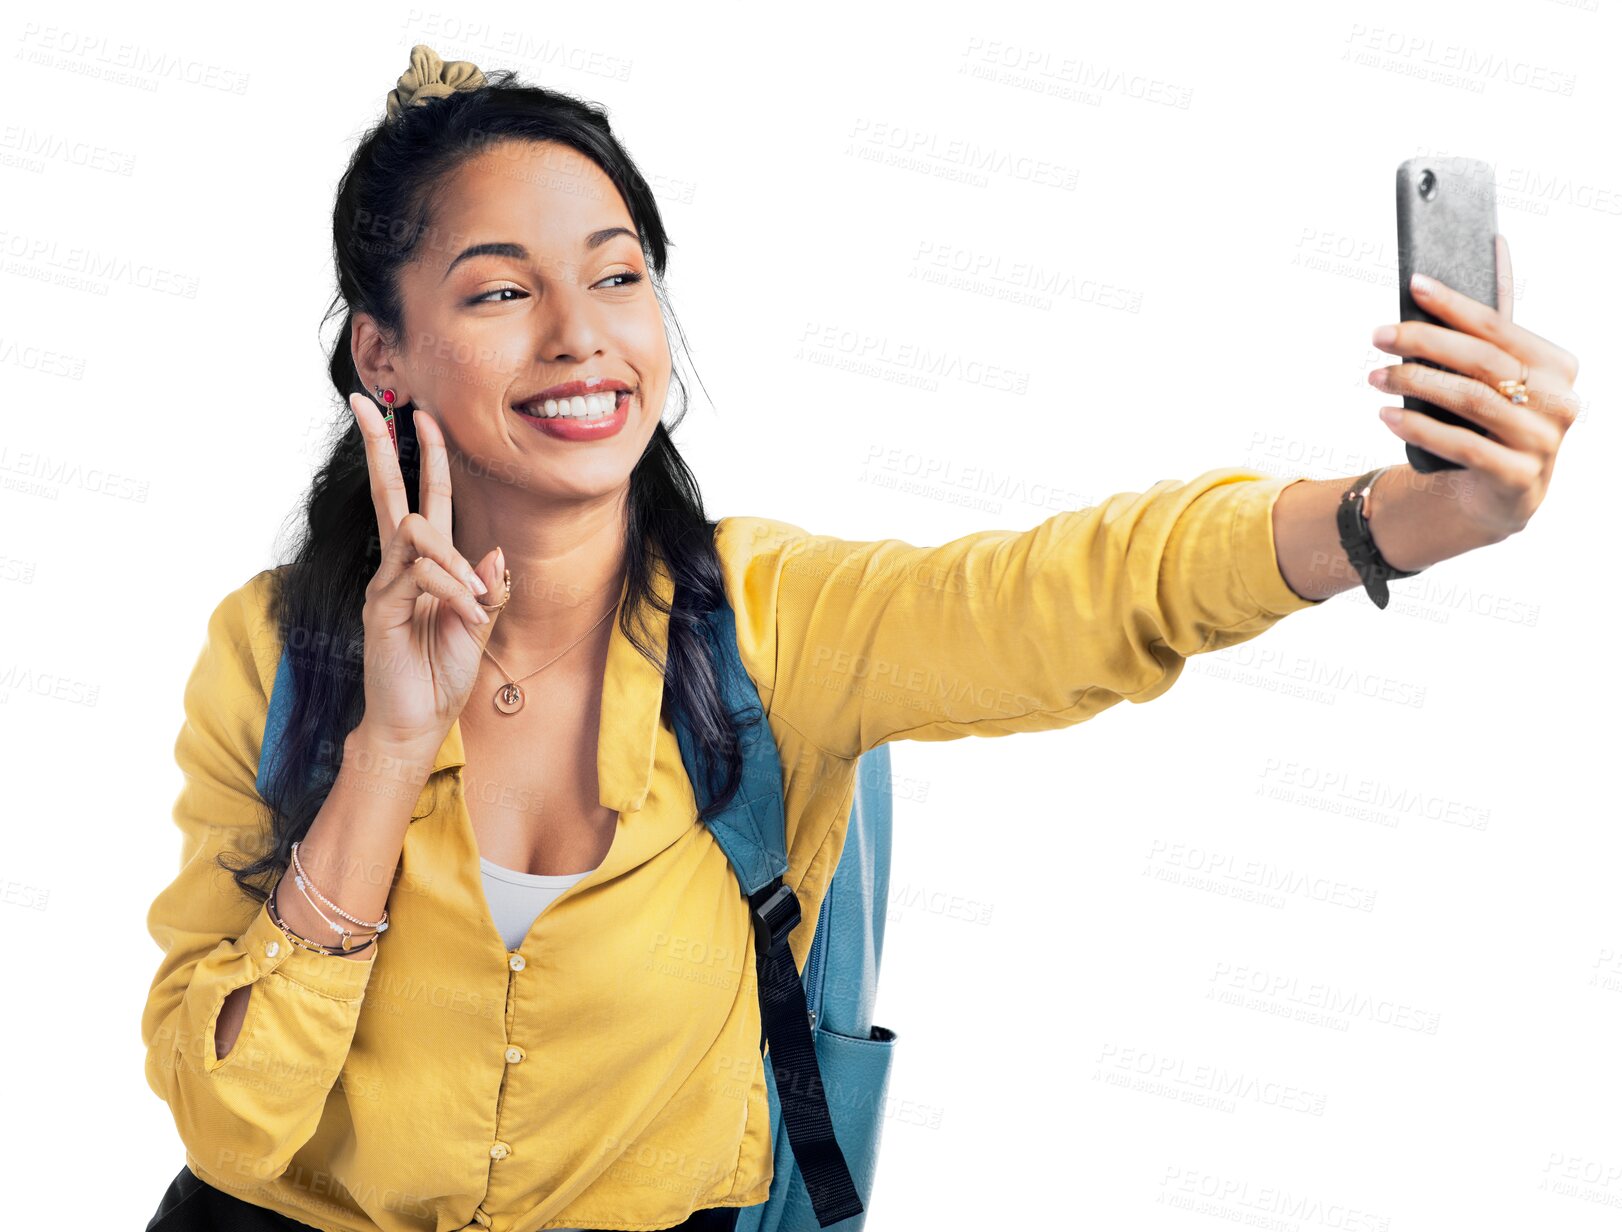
508 984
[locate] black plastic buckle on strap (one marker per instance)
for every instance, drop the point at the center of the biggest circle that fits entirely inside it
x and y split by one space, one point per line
776 913
774 909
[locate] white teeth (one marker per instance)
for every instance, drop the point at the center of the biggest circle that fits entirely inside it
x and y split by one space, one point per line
591 406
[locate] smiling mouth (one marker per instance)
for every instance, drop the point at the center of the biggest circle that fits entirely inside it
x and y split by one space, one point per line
584 407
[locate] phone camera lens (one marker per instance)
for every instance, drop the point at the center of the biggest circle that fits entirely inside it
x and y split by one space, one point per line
1427 185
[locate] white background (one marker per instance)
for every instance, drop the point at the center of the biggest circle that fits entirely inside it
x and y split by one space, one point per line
1053 966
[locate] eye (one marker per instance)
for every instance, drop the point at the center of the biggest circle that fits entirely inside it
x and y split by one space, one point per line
485 298
629 279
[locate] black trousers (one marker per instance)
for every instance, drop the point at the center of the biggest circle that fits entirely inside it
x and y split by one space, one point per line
191 1204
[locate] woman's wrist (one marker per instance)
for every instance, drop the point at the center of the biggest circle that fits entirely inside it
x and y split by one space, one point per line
397 768
1416 519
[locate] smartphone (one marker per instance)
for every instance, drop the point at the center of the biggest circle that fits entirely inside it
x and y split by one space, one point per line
1447 221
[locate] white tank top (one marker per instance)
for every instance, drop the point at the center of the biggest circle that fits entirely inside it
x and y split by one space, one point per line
517 900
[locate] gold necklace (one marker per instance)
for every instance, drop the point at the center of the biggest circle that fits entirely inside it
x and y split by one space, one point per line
509 697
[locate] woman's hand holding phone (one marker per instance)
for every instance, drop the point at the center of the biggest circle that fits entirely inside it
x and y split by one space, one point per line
1508 468
425 624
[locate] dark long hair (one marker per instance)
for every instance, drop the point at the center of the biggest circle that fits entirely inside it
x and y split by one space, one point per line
383 208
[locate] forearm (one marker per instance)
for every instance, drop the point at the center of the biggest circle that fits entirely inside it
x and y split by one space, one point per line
353 846
1413 518
350 852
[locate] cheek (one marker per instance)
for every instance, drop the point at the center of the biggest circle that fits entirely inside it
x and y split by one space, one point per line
645 416
463 344
464 366
486 366
656 377
646 343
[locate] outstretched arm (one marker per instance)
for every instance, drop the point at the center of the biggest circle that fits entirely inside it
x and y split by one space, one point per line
853 643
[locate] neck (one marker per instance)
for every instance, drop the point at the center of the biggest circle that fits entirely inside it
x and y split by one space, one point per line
567 567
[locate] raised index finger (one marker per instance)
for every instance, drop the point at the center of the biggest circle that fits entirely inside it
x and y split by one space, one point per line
383 466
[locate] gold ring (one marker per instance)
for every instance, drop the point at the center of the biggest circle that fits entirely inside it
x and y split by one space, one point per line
1514 390
506 593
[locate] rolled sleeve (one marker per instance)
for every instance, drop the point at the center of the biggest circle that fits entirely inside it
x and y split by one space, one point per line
264 1098
331 975
1255 549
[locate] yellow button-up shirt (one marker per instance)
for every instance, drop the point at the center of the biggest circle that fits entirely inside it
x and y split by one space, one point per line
607 1072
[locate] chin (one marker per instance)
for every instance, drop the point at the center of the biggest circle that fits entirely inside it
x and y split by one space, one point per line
585 478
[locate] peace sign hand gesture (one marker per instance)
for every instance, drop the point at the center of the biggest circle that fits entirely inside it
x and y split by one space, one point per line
425 624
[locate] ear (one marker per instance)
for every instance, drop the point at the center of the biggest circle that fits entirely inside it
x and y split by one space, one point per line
374 361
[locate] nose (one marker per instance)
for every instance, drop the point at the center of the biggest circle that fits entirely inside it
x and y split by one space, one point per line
569 329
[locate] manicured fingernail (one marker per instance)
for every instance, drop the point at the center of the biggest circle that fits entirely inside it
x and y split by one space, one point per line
1422 284
1377 378
1390 414
479 588
1385 335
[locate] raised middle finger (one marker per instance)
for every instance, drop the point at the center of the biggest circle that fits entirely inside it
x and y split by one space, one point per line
434 479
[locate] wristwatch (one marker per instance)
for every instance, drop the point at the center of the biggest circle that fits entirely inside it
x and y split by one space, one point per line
1359 543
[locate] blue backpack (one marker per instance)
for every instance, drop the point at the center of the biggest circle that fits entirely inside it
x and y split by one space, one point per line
830 1066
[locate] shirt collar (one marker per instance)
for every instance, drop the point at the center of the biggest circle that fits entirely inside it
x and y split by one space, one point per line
633 692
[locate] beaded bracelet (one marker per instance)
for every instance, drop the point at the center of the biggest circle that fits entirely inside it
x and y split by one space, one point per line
345 936
302 879
304 943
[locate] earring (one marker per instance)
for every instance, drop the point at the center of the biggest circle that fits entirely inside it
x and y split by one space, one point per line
386 397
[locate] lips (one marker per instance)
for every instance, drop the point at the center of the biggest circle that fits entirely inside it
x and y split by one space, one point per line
573 389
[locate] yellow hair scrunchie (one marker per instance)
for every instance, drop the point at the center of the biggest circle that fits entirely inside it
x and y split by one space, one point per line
429 77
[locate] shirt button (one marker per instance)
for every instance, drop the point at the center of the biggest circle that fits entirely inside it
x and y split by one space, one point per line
500 1150
272 948
515 960
515 1054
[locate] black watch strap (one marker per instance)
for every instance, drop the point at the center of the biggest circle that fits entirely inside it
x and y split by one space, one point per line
1359 543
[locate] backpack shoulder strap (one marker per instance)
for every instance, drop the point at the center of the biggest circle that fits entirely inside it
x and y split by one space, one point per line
752 831
281 708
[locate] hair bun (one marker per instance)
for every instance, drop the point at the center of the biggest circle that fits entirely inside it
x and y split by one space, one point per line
429 77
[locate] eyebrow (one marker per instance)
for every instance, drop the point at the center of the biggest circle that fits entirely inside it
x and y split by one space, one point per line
519 253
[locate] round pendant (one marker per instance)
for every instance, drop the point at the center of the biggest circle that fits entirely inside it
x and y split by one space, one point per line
509 699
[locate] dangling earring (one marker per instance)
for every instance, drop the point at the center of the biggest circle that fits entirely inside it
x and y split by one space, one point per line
386 397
